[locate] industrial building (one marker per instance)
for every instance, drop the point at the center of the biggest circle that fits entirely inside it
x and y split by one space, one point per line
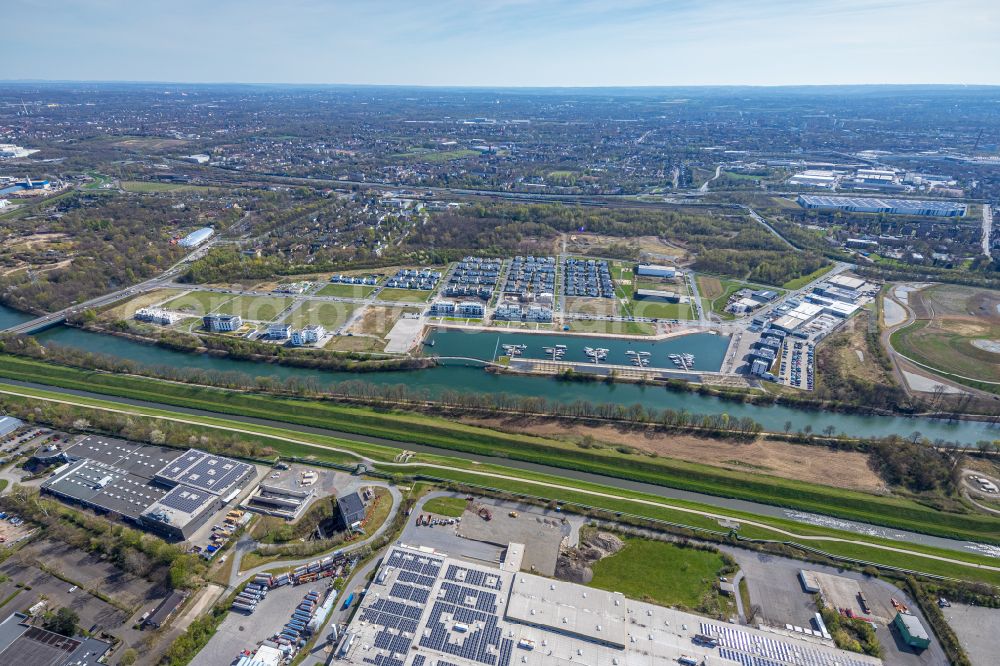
425 608
652 270
878 205
27 645
912 631
9 424
660 295
161 489
196 238
222 323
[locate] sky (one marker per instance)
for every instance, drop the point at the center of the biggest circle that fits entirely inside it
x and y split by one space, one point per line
505 42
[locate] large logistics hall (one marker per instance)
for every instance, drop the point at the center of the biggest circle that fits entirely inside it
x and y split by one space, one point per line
880 205
164 490
425 608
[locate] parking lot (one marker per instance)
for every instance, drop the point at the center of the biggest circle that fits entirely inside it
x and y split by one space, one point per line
240 632
977 630
773 585
28 584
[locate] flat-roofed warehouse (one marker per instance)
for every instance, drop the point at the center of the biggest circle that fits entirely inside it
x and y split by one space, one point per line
161 489
425 608
880 205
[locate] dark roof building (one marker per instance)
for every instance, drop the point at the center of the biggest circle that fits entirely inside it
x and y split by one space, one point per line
166 608
351 509
24 644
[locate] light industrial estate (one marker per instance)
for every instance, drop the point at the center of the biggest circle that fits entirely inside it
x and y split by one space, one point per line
425 608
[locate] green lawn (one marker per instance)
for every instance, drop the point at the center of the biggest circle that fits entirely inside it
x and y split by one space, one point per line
405 295
255 308
329 315
660 572
142 186
660 310
452 507
437 156
543 485
197 302
800 282
346 290
612 327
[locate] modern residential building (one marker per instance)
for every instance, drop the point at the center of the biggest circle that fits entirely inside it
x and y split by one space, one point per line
309 335
443 308
157 316
222 323
471 309
279 331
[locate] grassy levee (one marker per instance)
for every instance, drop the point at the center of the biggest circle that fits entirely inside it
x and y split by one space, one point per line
408 427
926 559
835 542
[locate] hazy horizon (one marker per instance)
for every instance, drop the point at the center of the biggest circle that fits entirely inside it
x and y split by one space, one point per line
508 43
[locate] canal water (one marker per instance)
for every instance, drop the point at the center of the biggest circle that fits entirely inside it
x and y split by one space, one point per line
708 349
458 377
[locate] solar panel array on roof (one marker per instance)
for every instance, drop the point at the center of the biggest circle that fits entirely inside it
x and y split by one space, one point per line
206 471
185 499
753 650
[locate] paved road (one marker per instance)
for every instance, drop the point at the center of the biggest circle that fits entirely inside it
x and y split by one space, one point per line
762 221
397 501
987 230
611 483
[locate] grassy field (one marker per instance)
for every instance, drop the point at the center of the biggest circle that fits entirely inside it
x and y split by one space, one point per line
407 427
660 572
142 186
255 308
197 302
607 307
612 327
660 310
330 315
127 309
293 443
436 157
346 290
800 282
951 321
452 507
404 295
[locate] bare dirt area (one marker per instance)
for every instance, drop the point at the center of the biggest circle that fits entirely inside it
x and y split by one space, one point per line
379 321
574 564
128 308
34 241
710 287
813 464
607 307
